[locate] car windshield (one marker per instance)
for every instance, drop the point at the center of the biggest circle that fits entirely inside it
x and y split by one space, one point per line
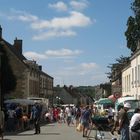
134 103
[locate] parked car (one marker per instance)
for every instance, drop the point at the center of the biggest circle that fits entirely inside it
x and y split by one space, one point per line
135 103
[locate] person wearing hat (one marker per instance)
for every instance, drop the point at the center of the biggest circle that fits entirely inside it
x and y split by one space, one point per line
135 125
124 122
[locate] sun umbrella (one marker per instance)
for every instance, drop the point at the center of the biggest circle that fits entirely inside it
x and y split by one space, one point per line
105 101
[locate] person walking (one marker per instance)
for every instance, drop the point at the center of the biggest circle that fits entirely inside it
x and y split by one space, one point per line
11 121
61 114
35 116
68 115
86 120
124 122
1 123
116 119
135 125
77 115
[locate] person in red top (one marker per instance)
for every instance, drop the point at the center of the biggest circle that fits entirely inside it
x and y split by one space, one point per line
55 114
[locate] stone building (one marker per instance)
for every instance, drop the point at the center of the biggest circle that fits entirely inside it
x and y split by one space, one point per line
31 81
46 86
70 95
131 76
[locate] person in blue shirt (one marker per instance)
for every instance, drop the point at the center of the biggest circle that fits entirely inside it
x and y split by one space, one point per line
86 120
35 116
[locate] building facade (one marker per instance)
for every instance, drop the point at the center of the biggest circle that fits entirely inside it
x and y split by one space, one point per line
31 81
131 77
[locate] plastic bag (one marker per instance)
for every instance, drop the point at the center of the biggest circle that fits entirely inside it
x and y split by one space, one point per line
79 128
136 126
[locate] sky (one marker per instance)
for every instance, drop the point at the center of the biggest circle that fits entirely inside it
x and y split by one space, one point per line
73 40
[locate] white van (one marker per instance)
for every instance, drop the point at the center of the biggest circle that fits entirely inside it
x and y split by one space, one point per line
43 101
129 99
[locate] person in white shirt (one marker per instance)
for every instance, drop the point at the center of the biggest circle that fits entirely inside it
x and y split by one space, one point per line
61 114
110 112
135 135
68 115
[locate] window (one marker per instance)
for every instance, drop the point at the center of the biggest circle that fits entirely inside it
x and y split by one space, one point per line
132 77
138 75
135 76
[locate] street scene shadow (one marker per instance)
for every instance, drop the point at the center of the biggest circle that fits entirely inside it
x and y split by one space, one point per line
25 135
38 134
50 134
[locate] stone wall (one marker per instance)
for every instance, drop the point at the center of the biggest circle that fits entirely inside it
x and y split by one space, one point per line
19 70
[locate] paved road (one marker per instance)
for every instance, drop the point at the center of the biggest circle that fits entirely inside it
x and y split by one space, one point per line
53 131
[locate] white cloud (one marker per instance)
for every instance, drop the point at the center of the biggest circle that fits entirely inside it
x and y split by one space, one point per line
34 55
28 18
55 27
79 74
88 65
87 68
76 19
54 33
62 53
81 69
79 5
59 6
22 16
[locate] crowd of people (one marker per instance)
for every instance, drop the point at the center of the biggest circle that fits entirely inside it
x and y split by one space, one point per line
16 118
127 128
72 115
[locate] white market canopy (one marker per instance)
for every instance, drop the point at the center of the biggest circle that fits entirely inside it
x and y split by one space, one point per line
20 101
104 101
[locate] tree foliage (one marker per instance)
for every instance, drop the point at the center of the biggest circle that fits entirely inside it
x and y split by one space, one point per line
115 68
133 27
107 88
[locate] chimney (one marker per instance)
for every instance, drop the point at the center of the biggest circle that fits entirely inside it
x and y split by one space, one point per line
40 68
0 32
18 45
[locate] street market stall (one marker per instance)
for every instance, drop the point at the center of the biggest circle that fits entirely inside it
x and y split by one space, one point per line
101 117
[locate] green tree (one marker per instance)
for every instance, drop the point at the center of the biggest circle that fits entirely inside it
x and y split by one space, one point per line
107 88
116 68
133 27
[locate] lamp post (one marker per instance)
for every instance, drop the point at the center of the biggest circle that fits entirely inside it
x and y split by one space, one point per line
58 100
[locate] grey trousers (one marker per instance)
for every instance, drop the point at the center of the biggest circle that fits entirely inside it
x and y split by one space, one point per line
125 133
134 135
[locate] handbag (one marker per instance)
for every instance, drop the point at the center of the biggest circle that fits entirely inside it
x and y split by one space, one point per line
136 126
79 128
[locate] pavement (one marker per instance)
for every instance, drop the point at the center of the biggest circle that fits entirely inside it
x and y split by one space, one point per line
56 131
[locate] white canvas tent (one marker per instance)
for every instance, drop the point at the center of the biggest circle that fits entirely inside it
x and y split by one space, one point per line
20 101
